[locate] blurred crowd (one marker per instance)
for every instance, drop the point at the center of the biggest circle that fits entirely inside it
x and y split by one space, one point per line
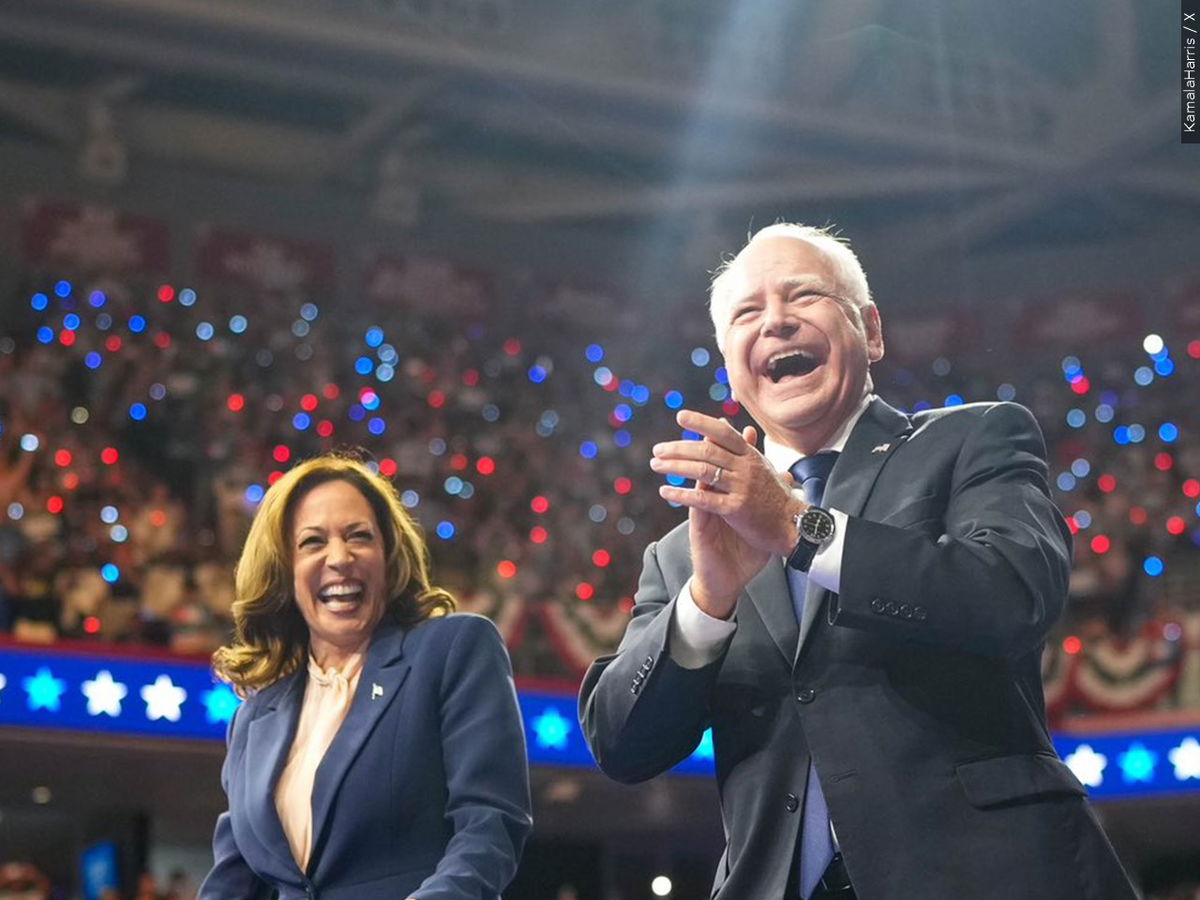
139 425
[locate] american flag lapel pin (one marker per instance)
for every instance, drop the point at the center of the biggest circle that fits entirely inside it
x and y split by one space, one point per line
882 448
376 691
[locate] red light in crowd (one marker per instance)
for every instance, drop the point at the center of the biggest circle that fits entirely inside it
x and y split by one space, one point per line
539 504
1072 645
584 591
512 346
109 456
281 454
309 402
1138 515
54 505
437 399
601 558
538 534
388 466
236 402
91 625
274 477
1176 525
162 340
612 385
112 343
70 481
1194 349
66 338
325 428
1081 385
506 569
622 485
158 518
166 294
1072 525
1101 544
331 392
485 465
458 462
731 407
62 458
1163 462
1191 488
614 422
1106 483
470 378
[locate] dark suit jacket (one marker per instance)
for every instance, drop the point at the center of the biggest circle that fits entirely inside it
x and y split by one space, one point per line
916 693
424 791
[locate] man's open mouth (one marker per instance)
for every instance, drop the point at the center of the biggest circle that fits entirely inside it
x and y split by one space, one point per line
791 362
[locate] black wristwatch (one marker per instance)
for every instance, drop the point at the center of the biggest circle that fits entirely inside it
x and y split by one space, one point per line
815 528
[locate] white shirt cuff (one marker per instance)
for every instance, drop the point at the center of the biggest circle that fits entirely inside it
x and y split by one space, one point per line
697 638
826 568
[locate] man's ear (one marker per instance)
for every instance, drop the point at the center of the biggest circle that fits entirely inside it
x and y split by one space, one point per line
873 328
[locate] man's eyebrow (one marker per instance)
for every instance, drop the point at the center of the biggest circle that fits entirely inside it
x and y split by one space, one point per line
789 283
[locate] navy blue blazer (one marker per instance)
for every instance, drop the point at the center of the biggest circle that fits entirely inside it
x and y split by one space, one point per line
423 793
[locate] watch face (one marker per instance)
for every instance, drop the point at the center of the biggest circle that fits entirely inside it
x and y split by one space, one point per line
816 525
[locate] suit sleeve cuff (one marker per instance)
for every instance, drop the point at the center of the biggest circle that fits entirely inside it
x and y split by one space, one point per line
697 639
826 568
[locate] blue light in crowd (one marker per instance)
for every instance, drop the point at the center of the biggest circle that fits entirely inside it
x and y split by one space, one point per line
300 328
922 405
953 400
1006 392
238 324
603 376
137 324
692 435
721 375
490 413
1121 435
157 391
452 485
1153 566
626 387
45 334
673 399
1083 518
374 336
385 373
93 360
364 365
39 301
356 413
109 515
623 412
301 421
1066 481
187 297
1168 432
1164 367
676 480
137 412
63 289
445 530
718 392
370 400
110 573
254 493
1104 413
104 321
537 374
437 446
1071 366
594 353
1076 418
588 450
640 395
71 322
622 438
44 690
1080 468
411 499
1137 434
97 299
309 312
1143 376
377 426
1137 763
700 357
204 331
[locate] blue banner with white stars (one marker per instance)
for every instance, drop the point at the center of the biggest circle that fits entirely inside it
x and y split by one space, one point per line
174 698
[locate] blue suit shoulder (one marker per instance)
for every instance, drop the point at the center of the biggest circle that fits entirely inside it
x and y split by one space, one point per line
1003 415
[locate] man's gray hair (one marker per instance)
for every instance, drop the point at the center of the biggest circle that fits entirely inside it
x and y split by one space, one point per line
851 277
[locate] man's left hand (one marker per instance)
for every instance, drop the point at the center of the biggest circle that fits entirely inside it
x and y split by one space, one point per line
740 485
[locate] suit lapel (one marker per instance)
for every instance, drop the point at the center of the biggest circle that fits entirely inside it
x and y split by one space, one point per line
870 445
268 741
768 590
384 671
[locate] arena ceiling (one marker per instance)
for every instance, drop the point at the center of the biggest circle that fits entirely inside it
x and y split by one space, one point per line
997 124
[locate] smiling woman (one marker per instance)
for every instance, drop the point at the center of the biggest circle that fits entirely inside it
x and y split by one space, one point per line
357 674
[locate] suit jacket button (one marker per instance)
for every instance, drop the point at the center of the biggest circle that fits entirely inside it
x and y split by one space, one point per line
793 803
891 608
877 605
906 610
806 695
920 614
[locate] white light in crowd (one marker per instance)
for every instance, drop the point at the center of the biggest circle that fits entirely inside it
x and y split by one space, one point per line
1152 344
42 795
661 886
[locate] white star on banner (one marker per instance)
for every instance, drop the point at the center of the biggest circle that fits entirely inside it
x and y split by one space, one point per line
163 699
1186 759
104 695
1088 765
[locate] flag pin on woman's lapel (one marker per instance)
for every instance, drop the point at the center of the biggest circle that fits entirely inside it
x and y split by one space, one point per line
376 691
